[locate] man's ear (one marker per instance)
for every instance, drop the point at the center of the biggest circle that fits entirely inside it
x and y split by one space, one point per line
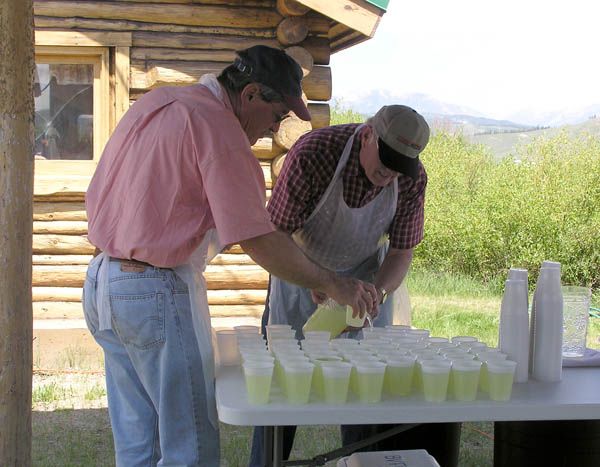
250 91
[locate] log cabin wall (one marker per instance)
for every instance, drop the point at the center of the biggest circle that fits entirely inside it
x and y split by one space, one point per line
173 42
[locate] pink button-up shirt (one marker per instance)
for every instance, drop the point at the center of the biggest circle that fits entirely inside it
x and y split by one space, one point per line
177 165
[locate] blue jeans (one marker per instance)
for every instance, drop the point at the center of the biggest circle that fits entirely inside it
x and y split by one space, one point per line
154 379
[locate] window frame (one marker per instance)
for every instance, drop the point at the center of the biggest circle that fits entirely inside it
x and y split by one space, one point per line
108 52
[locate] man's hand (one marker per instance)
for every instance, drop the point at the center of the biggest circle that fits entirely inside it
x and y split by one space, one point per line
318 297
361 296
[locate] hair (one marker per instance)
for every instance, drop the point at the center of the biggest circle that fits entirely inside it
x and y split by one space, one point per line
235 81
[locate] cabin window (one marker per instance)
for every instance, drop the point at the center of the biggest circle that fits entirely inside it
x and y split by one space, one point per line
81 90
72 103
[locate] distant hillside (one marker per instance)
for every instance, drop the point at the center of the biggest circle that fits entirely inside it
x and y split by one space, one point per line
502 144
470 125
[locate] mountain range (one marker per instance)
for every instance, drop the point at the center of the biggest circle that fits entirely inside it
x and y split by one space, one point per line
436 110
501 136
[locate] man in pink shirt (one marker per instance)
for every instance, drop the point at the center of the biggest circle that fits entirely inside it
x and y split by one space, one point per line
176 181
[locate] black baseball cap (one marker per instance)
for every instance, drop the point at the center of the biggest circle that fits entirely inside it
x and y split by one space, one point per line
277 70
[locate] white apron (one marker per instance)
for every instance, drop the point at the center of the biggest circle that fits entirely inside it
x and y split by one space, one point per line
346 240
192 274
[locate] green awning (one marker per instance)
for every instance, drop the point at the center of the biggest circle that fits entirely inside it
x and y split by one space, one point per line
379 3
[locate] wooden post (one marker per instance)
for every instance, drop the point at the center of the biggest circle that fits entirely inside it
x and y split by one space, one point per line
16 211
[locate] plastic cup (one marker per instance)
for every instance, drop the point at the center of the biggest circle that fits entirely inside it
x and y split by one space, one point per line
576 309
435 374
247 330
473 347
399 372
369 380
298 380
336 379
421 334
317 335
319 361
258 376
461 339
357 322
501 375
282 330
438 340
227 348
341 343
398 327
464 380
484 358
442 347
418 375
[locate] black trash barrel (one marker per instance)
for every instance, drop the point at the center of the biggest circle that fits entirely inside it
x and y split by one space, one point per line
554 443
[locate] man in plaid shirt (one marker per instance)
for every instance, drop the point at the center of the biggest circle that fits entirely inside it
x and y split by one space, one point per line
342 191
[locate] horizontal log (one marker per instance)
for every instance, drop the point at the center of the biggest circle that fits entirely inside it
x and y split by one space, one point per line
197 41
56 294
72 185
292 30
319 48
217 277
277 165
195 55
62 259
122 25
59 198
59 212
266 168
320 113
224 259
205 15
60 227
215 297
87 39
265 149
61 244
317 85
302 57
151 74
290 130
235 249
259 3
73 310
58 276
291 8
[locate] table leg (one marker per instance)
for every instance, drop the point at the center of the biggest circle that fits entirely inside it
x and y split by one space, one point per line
268 446
277 446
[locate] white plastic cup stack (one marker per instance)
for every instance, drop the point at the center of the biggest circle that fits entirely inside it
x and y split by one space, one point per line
227 347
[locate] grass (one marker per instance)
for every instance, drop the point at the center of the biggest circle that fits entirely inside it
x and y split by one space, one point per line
70 419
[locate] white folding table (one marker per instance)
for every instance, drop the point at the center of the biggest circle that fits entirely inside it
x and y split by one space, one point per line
576 397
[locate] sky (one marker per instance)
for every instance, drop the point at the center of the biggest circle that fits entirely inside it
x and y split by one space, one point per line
500 58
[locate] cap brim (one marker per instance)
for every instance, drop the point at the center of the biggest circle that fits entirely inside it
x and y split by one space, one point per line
398 162
297 105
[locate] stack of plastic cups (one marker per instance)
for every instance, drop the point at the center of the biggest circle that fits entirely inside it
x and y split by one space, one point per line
369 380
298 380
258 376
243 330
399 372
500 375
464 379
435 374
485 357
336 381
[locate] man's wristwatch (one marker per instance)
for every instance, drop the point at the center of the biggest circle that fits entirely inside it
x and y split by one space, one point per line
384 295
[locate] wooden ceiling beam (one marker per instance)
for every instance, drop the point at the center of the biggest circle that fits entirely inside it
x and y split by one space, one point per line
356 14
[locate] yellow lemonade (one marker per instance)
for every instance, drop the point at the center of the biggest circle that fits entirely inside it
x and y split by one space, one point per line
258 388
